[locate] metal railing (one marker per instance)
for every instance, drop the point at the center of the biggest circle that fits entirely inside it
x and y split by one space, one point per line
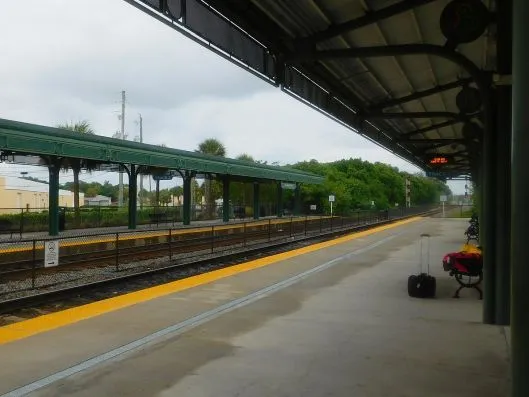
25 268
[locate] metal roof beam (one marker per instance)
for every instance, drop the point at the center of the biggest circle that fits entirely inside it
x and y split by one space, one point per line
369 18
426 150
414 115
445 141
23 138
439 146
400 50
430 128
421 94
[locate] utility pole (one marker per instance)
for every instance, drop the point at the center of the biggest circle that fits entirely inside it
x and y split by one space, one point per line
141 175
120 196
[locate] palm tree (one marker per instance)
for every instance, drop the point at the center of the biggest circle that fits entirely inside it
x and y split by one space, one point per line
212 147
245 157
76 164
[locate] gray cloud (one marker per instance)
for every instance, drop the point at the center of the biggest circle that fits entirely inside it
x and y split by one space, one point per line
68 60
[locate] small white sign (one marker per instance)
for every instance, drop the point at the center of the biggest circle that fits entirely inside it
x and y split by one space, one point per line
313 207
289 186
331 198
51 253
443 199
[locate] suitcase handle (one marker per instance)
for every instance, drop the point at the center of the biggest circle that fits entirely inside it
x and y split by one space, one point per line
423 236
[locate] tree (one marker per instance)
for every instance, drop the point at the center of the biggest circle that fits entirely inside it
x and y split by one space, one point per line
77 164
211 147
245 157
357 183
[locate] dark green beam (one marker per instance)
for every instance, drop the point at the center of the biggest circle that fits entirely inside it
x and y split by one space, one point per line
420 94
433 141
133 196
188 177
31 139
369 18
457 58
430 128
503 166
226 199
256 197
53 198
519 202
279 199
297 200
488 222
414 115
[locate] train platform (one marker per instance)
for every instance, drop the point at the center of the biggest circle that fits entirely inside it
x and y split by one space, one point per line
331 319
125 229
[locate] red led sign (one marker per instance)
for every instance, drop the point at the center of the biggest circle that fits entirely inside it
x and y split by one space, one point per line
439 160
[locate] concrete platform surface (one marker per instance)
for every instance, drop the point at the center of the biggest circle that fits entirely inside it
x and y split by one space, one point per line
346 328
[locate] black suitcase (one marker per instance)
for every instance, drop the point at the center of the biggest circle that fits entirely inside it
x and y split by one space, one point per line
422 285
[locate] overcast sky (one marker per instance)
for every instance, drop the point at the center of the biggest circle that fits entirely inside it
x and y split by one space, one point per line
67 60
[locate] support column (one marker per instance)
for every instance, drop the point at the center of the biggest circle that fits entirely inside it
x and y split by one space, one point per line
226 199
133 196
279 200
297 200
503 167
187 198
519 203
487 221
256 200
53 198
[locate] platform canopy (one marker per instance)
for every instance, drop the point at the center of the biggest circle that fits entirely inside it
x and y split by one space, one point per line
21 139
406 74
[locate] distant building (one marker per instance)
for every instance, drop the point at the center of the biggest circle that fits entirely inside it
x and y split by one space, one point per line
101 201
18 193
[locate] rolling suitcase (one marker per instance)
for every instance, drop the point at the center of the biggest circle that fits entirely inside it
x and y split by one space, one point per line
422 285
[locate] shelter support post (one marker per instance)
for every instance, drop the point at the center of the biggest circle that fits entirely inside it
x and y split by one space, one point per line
256 200
133 196
503 166
188 177
226 199
297 200
279 200
488 218
502 211
53 198
519 203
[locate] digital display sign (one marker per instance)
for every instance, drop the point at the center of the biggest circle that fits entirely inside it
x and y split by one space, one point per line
438 160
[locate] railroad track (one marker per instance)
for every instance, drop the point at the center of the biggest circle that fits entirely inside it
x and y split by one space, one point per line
227 248
122 251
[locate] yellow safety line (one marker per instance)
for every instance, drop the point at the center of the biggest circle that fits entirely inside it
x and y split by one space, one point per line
140 235
55 320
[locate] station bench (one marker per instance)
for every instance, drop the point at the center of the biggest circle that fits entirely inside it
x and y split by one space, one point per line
466 268
159 217
6 227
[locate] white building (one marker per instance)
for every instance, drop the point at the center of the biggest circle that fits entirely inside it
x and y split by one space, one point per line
18 193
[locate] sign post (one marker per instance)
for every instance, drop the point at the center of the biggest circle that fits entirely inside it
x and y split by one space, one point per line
51 253
443 199
331 200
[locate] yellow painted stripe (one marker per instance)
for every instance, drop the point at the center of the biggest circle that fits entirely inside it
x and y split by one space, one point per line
52 321
140 235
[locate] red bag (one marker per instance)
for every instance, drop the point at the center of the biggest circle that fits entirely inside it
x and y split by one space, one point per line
465 263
